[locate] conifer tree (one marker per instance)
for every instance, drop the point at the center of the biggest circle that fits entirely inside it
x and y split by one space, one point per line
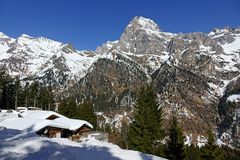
26 94
20 95
86 112
72 108
124 132
145 133
34 89
45 97
193 152
62 108
230 153
50 97
17 89
211 151
175 144
8 95
68 108
7 91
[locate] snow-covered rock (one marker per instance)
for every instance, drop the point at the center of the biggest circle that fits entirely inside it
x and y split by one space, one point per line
234 98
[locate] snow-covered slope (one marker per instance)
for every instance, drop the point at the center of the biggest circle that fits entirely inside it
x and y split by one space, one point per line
24 144
27 57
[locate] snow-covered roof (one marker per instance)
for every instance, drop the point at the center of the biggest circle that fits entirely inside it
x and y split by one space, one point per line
22 108
36 120
73 123
40 114
31 124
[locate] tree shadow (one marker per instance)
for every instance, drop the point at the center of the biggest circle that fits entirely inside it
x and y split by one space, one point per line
31 147
150 157
72 153
50 150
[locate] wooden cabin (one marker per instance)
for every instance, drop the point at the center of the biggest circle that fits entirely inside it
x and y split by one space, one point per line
51 132
57 132
80 133
57 125
77 130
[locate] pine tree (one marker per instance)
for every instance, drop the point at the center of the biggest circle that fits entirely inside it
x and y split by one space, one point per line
211 151
17 90
124 132
32 91
45 98
20 96
7 91
230 153
62 108
68 108
193 153
175 144
4 97
86 112
8 95
145 133
72 108
26 94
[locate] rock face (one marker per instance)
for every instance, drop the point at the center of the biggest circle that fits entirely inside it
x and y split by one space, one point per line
112 83
229 112
189 95
143 36
190 72
195 75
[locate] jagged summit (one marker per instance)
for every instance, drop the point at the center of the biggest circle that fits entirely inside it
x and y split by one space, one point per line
144 23
142 36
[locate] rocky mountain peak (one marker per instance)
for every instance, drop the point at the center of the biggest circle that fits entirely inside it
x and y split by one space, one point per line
144 23
141 25
143 36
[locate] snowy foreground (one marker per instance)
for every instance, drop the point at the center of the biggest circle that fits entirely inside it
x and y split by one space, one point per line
25 144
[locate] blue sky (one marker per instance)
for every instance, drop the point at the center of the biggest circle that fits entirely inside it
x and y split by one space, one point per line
89 23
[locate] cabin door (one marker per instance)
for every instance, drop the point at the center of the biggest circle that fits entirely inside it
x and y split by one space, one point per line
58 135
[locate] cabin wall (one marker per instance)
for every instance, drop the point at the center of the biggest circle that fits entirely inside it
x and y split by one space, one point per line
80 133
50 132
53 132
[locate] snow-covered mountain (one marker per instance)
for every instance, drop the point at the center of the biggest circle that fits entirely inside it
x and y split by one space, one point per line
190 72
28 57
195 74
